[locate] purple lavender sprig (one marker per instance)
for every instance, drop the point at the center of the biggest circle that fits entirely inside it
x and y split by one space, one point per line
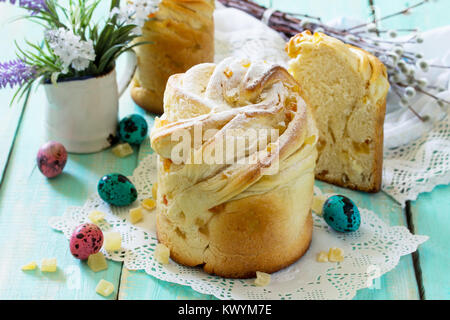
35 6
15 72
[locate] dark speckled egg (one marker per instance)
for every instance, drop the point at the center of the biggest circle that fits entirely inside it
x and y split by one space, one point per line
87 239
341 214
133 129
116 189
51 159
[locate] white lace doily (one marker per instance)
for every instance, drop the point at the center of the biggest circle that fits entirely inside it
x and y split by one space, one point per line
417 155
369 252
420 165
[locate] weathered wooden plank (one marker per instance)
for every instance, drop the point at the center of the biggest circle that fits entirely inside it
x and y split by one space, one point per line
9 123
137 285
430 216
11 115
28 199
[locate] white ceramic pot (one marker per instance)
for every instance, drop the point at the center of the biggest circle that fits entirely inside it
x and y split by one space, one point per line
82 114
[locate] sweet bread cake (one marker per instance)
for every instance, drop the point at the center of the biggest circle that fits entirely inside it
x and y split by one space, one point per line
246 211
347 89
182 35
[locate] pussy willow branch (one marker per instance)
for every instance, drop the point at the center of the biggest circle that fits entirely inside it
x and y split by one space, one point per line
374 15
391 52
404 11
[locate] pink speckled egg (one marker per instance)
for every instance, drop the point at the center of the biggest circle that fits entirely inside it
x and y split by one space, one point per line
87 239
51 159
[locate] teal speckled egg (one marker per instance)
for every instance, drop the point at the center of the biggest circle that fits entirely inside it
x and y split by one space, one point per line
341 214
133 129
116 189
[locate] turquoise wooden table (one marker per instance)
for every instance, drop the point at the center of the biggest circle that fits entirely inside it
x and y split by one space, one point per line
27 199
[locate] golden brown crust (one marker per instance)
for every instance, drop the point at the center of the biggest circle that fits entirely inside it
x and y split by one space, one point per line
378 166
238 233
378 72
236 218
182 35
275 250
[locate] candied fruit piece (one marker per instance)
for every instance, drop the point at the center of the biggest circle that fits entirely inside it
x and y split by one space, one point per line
154 190
317 37
166 164
136 215
272 147
262 279
148 204
322 256
97 262
105 288
336 255
96 216
317 204
49 265
160 123
122 150
162 253
228 73
29 266
310 140
112 241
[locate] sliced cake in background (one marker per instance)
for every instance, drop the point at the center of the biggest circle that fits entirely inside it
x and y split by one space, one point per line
346 87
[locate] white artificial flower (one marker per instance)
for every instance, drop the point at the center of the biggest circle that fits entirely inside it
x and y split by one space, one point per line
70 49
123 15
136 12
142 9
80 64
